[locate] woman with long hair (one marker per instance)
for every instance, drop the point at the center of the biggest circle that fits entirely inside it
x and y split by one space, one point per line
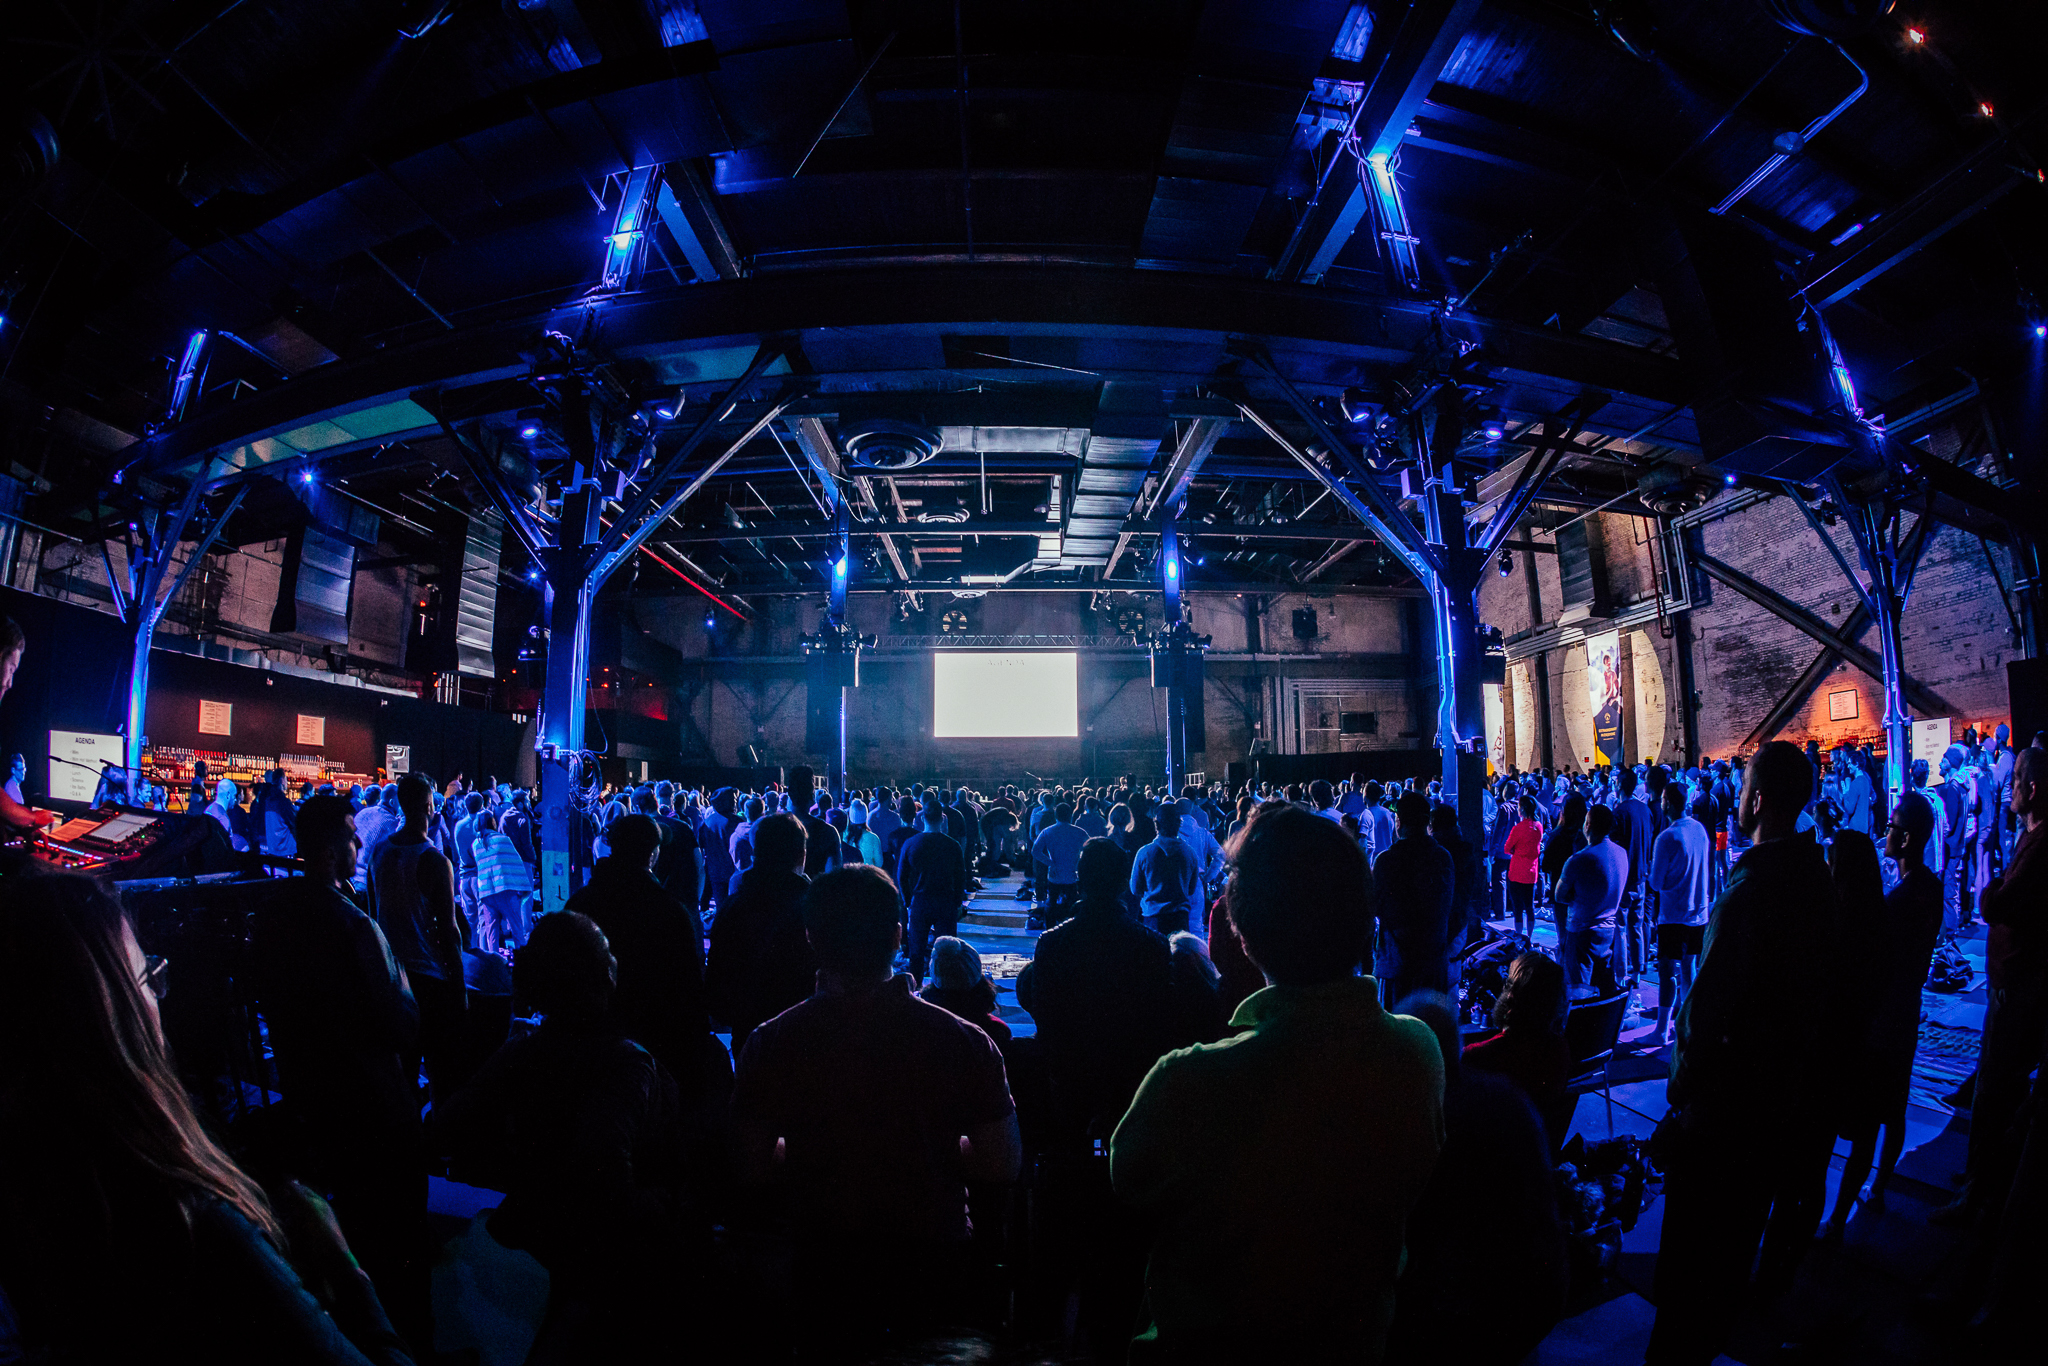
126 1233
1527 1045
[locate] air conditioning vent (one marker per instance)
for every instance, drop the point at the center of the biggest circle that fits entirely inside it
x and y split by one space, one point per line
890 446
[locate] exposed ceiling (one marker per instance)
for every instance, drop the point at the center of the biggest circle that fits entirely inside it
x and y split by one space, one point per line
1046 245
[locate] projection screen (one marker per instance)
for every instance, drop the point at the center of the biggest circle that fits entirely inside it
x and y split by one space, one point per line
990 695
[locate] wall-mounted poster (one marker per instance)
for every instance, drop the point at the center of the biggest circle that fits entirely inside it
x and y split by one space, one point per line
397 759
1842 706
216 718
312 730
1603 695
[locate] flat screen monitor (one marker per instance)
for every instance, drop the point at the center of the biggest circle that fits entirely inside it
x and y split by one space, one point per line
1000 695
75 760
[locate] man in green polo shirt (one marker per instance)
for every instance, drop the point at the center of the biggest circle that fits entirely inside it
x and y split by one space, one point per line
1280 1164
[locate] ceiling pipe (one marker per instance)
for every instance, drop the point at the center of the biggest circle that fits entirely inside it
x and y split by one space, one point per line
1791 144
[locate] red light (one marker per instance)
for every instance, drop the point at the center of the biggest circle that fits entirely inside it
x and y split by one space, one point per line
1985 109
1916 36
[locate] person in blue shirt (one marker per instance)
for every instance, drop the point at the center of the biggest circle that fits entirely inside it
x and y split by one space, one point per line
1589 896
1092 820
1353 800
1058 850
1382 831
1166 876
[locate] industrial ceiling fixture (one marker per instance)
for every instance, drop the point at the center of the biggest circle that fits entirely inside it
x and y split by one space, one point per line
1507 563
890 446
954 621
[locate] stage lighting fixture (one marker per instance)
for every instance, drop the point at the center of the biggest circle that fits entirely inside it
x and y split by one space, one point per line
1507 564
305 476
1356 405
839 568
533 576
1984 108
1729 480
530 430
1494 431
1916 36
1172 570
710 621
2041 329
664 413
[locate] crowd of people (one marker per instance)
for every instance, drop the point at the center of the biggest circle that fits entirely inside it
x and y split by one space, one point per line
752 1085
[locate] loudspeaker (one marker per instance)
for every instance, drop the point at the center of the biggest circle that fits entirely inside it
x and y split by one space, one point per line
1184 667
2026 687
1582 569
314 585
1195 719
476 602
821 703
1756 371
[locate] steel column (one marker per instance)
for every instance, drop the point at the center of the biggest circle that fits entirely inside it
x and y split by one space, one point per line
146 608
1454 598
1880 554
563 700
1172 648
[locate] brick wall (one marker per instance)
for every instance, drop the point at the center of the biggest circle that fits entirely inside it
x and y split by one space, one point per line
1955 636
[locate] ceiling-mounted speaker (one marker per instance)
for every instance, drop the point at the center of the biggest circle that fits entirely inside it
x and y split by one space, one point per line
1763 395
888 446
314 585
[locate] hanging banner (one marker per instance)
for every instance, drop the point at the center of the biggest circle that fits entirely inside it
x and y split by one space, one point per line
1603 695
1496 728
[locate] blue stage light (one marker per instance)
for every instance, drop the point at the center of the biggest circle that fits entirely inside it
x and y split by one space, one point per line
1729 480
839 569
530 430
1172 570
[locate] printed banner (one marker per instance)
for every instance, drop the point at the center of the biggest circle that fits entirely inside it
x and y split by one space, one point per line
1603 695
1496 729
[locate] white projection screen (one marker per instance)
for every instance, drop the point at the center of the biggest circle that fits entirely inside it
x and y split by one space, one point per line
990 695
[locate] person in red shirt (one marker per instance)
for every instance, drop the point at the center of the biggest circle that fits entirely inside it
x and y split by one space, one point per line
1525 850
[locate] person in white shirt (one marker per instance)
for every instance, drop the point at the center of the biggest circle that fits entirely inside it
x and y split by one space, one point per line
1195 834
1680 867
